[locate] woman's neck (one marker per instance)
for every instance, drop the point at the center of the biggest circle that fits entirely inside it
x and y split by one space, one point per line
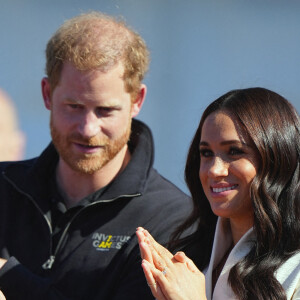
238 229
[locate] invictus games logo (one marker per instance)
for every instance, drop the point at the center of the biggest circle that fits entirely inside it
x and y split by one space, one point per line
105 242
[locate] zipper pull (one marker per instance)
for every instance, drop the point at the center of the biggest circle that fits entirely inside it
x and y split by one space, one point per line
48 264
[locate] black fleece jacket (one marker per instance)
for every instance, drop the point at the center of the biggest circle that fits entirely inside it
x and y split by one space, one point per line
97 256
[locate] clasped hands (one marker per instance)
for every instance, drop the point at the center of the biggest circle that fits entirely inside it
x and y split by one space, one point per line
170 277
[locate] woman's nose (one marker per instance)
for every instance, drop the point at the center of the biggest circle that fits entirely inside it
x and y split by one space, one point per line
218 168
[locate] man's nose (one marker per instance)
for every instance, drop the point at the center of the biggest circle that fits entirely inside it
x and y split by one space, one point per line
89 125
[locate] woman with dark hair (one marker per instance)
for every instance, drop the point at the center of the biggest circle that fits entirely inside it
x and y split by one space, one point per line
243 172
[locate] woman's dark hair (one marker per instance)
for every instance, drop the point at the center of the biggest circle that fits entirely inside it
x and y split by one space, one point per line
273 125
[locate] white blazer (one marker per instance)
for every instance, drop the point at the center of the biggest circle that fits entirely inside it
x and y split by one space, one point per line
288 274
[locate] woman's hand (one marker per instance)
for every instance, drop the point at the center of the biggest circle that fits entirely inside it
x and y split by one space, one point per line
169 277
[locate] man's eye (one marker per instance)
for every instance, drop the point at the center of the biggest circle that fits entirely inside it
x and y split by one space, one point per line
106 109
206 153
103 111
74 106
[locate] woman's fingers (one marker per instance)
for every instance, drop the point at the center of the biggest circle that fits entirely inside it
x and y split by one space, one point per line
144 247
169 277
151 275
146 252
148 274
162 260
181 257
152 251
159 249
159 256
140 234
192 267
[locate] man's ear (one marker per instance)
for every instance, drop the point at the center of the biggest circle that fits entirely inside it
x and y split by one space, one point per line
138 102
46 92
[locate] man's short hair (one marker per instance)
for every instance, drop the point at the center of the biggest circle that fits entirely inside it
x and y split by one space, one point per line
98 41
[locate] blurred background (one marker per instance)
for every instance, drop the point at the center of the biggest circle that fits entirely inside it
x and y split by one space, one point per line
200 49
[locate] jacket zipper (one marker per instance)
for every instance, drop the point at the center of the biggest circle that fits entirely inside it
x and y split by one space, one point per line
50 261
48 264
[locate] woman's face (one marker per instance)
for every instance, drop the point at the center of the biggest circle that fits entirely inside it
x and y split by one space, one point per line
228 164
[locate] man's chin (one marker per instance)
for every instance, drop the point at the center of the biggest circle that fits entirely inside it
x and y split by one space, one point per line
86 166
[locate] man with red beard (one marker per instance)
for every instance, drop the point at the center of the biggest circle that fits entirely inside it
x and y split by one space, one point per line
68 217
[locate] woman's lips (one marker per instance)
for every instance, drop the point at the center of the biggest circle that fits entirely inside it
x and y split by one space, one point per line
224 188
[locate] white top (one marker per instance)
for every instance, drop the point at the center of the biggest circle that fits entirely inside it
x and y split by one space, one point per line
288 274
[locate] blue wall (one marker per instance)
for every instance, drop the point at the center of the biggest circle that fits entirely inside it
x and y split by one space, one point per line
200 50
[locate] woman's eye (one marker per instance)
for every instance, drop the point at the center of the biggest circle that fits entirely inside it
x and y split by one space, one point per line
206 153
235 151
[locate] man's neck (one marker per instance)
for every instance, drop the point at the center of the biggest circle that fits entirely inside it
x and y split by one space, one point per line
74 185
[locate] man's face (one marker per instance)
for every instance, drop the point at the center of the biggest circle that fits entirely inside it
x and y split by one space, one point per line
90 117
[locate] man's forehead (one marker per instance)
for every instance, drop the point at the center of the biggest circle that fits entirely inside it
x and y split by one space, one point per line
94 72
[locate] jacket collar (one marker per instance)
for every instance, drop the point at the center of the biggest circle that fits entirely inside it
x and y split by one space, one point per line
133 178
222 241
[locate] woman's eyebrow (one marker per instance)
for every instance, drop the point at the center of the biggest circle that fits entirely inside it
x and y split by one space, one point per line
224 143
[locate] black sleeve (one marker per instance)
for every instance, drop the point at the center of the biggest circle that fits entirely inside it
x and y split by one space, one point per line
17 282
